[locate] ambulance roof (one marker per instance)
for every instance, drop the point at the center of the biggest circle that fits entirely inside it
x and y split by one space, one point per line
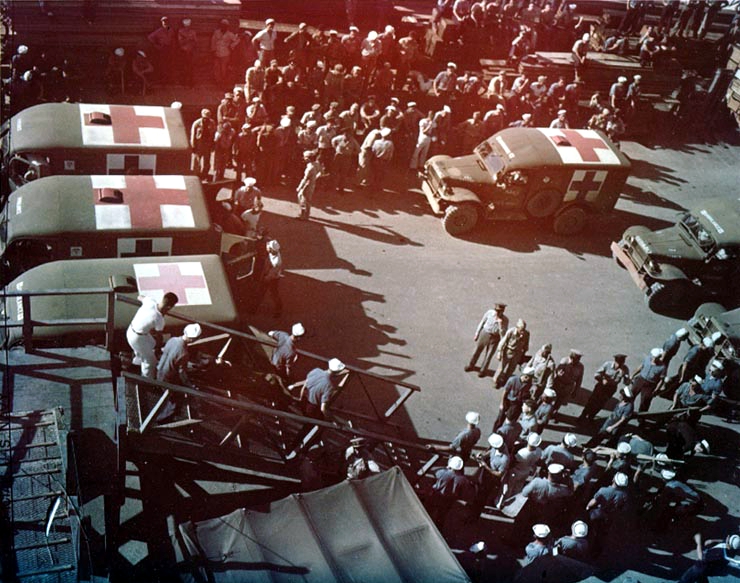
51 126
147 205
198 280
525 148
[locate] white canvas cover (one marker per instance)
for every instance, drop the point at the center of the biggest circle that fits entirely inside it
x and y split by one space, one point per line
372 530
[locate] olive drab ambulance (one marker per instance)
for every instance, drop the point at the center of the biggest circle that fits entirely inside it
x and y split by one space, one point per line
83 138
84 217
200 282
562 175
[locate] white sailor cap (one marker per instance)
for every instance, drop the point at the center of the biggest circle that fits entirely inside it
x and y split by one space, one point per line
624 448
269 21
717 365
273 246
528 370
176 105
389 28
549 393
500 107
411 104
298 329
446 109
656 352
119 52
541 530
555 469
622 79
22 49
698 379
192 331
579 529
336 365
354 29
661 457
667 474
472 417
534 439
526 116
708 342
637 77
385 132
734 542
495 440
570 439
682 333
451 65
455 463
562 111
249 181
186 22
704 444
621 479
372 35
716 336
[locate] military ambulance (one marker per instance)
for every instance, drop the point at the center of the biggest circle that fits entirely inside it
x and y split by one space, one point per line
695 259
82 138
200 281
82 217
561 175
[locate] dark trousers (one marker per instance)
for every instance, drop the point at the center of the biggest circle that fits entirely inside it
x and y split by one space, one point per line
516 406
270 287
646 390
597 400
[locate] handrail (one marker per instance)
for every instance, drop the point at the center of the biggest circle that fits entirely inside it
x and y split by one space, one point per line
271 342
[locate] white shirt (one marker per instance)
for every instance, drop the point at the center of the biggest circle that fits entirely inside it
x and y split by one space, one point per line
266 39
148 317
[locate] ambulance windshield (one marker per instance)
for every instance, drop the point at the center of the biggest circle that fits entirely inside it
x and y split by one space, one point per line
492 159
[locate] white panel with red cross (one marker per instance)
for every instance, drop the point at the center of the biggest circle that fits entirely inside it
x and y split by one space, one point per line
185 279
585 185
149 202
131 125
131 164
581 147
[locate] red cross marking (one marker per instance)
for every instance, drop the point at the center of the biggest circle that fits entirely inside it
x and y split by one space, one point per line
586 147
144 201
126 124
170 279
588 184
131 166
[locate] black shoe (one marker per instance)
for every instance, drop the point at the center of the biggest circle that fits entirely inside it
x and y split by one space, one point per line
469 368
481 374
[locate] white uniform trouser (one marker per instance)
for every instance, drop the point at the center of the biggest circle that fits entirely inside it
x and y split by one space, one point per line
143 346
420 152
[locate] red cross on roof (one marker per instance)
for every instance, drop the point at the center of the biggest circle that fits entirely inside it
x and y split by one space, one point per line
131 165
586 147
145 201
588 184
126 123
171 279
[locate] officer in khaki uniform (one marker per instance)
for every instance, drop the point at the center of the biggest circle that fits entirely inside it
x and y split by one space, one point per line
487 336
511 349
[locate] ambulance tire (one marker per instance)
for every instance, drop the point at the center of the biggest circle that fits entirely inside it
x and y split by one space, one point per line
544 203
570 221
460 219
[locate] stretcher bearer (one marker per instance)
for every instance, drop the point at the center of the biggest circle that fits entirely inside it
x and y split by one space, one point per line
148 319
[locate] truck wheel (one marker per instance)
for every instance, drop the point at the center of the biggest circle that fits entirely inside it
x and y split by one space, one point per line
661 296
569 222
460 219
543 203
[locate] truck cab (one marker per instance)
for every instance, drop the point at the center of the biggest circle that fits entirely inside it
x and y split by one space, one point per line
697 258
84 138
561 175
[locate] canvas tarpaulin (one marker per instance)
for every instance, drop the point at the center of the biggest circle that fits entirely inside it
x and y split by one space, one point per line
372 530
